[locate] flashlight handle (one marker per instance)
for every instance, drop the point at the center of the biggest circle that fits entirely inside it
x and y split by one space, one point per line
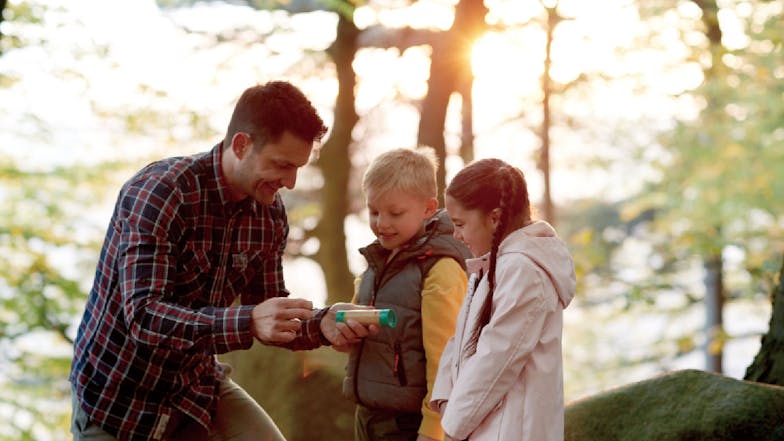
382 317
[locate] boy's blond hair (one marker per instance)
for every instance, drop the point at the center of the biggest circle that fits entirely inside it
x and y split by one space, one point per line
407 170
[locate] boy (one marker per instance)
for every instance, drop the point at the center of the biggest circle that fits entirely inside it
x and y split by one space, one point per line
417 269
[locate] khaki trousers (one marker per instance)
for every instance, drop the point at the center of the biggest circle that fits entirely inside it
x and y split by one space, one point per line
237 418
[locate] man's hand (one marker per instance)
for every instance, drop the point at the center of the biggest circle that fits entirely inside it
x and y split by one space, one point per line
343 335
279 319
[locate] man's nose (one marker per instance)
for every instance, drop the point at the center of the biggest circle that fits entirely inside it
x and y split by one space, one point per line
289 180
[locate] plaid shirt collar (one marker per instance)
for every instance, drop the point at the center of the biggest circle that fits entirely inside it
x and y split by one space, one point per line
226 203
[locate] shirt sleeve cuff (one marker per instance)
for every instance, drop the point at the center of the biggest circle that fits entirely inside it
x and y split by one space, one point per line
317 318
231 329
431 424
311 336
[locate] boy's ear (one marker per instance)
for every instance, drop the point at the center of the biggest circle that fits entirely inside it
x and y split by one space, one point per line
431 206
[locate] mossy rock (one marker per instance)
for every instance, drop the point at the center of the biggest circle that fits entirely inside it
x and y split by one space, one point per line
687 405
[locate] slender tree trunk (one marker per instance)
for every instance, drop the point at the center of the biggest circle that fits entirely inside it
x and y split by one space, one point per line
712 262
273 376
2 10
714 306
544 160
450 64
442 82
335 164
768 365
467 127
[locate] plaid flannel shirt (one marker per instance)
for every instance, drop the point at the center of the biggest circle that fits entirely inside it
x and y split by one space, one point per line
176 256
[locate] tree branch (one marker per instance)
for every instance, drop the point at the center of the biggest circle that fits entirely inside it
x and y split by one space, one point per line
379 36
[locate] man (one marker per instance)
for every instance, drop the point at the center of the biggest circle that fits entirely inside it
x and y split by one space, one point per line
188 237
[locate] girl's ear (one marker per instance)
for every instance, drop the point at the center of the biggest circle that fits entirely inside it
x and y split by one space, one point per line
495 217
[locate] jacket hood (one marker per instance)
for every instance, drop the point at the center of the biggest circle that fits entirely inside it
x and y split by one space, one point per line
539 242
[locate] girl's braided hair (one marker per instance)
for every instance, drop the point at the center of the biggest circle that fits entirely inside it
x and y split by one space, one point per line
486 185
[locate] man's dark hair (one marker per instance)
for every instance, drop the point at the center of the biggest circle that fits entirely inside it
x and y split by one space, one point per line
266 111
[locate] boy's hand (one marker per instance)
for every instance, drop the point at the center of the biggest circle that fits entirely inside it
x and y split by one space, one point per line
279 319
342 335
439 406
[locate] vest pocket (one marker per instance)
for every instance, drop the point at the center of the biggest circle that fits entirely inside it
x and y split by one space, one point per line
399 367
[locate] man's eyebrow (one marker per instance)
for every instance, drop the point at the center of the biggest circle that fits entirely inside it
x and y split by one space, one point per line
284 161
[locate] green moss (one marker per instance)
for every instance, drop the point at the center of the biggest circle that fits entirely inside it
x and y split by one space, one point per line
682 405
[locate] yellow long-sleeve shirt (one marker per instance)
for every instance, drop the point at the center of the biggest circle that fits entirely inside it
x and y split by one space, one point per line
442 294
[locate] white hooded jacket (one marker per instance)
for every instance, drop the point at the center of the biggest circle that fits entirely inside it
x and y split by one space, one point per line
511 388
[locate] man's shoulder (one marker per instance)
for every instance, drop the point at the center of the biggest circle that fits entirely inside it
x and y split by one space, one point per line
173 173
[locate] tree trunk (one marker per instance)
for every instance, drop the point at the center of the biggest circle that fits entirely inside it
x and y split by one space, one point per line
450 65
335 165
276 377
440 86
544 157
768 365
2 9
467 126
714 306
714 286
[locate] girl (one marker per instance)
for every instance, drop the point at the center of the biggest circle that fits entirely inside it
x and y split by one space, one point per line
500 376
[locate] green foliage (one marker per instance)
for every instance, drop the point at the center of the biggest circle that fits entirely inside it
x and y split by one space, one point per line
721 188
47 242
682 405
35 393
345 7
20 14
583 225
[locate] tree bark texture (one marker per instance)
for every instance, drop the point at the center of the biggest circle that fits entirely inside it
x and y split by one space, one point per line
768 365
335 165
2 10
544 158
714 317
276 377
450 65
714 286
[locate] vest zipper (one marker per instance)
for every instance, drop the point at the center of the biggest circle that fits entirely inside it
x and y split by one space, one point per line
376 285
399 368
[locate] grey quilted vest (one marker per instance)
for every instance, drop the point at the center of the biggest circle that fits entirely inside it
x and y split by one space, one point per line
387 370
